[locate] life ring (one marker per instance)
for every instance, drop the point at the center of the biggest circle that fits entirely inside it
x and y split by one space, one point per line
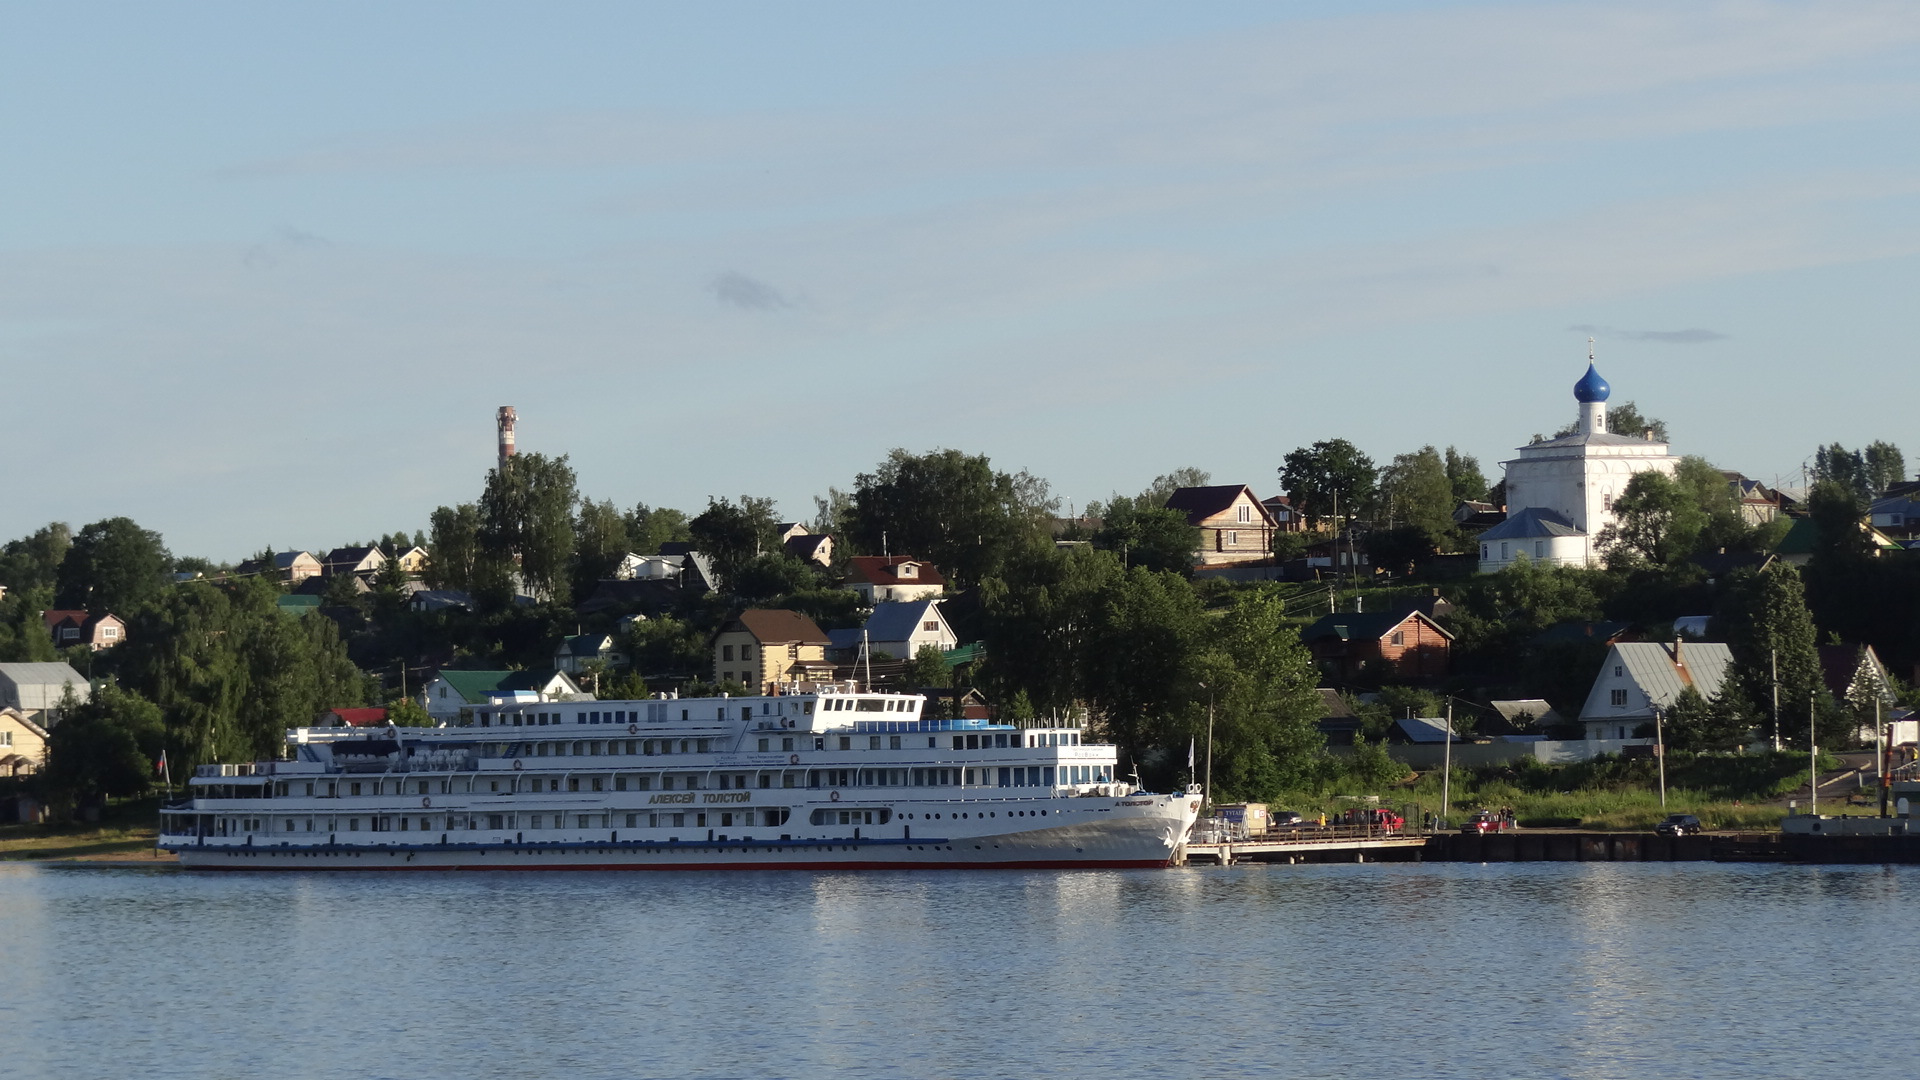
835 796
516 763
426 803
633 729
793 759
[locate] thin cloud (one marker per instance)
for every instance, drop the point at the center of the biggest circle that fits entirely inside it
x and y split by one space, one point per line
738 290
271 253
1692 336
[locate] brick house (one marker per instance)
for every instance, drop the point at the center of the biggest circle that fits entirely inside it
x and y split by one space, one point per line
1402 646
1235 527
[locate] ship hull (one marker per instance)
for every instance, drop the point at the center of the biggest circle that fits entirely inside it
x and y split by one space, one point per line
1142 840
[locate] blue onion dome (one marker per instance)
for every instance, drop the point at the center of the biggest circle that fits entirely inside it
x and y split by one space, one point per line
1591 387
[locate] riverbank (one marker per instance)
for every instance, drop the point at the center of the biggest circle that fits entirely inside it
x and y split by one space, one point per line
126 832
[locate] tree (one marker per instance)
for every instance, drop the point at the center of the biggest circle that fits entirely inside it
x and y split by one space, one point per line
732 535
105 747
113 565
1656 521
764 577
602 541
1767 624
951 508
1163 487
526 521
406 712
1331 478
928 668
454 548
650 527
1694 723
1417 492
1835 464
1625 419
1149 535
1463 472
1370 767
1884 465
33 562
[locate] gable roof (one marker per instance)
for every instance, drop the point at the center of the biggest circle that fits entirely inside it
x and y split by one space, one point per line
39 685
475 686
1704 665
1364 625
778 626
898 620
588 645
1532 522
1841 666
53 617
881 570
1536 708
804 545
1201 503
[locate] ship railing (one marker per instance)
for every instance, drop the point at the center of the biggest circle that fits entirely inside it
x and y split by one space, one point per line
245 768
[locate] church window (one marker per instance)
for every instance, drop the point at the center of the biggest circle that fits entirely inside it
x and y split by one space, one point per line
1606 501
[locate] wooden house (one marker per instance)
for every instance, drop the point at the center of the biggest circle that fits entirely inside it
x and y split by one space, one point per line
1402 646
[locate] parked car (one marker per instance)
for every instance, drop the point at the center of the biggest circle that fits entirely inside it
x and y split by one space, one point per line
1285 819
1679 825
1486 821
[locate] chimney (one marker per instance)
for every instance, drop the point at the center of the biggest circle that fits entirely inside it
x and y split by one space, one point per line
1678 661
504 420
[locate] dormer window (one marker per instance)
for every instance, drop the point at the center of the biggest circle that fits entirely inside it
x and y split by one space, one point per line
908 569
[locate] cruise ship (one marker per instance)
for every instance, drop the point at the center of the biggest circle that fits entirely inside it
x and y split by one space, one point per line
822 777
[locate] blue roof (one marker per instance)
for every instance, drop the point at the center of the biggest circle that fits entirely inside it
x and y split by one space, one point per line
1591 387
1531 522
897 620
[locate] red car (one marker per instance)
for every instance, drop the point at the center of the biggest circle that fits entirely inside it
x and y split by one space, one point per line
1486 821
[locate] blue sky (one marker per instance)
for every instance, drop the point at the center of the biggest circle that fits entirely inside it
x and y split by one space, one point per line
267 269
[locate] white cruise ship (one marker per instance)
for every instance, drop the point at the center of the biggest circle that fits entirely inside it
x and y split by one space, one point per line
825 777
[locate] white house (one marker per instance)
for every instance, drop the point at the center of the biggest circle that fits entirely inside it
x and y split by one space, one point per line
1560 492
902 629
452 692
880 579
1642 676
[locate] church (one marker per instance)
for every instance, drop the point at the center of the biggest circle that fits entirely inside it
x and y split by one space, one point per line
1560 491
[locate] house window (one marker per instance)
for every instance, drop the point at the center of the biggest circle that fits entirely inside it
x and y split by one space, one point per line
110 632
1246 514
930 626
1398 637
1619 671
746 652
1483 551
726 652
1539 549
1233 538
1617 698
1503 549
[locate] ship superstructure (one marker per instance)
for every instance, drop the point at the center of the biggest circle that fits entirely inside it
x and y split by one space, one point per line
827 776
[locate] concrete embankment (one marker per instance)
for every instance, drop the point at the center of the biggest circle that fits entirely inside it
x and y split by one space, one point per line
1575 846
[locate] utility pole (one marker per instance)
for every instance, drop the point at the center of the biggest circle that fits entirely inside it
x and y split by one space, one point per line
1660 750
1773 658
1813 764
1446 769
1880 742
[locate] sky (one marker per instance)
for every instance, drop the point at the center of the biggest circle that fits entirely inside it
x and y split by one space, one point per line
267 269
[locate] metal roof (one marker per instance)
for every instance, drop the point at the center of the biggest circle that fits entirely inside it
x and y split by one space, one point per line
1704 665
1531 522
38 686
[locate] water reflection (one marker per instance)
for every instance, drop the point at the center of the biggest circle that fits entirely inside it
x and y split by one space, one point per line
1581 970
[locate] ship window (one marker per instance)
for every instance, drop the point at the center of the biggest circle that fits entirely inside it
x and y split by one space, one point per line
353 824
679 820
619 783
873 742
544 749
666 782
819 744
893 742
353 789
573 783
581 820
766 781
536 823
846 742
788 780
633 821
765 744
700 749
999 739
645 783
599 783
494 821
786 744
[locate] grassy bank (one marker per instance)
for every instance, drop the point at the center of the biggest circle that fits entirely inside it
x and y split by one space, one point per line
126 830
1747 791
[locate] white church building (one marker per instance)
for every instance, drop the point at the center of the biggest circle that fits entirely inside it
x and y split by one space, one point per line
1560 492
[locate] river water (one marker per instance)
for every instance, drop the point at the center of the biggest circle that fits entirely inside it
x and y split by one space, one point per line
1605 970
